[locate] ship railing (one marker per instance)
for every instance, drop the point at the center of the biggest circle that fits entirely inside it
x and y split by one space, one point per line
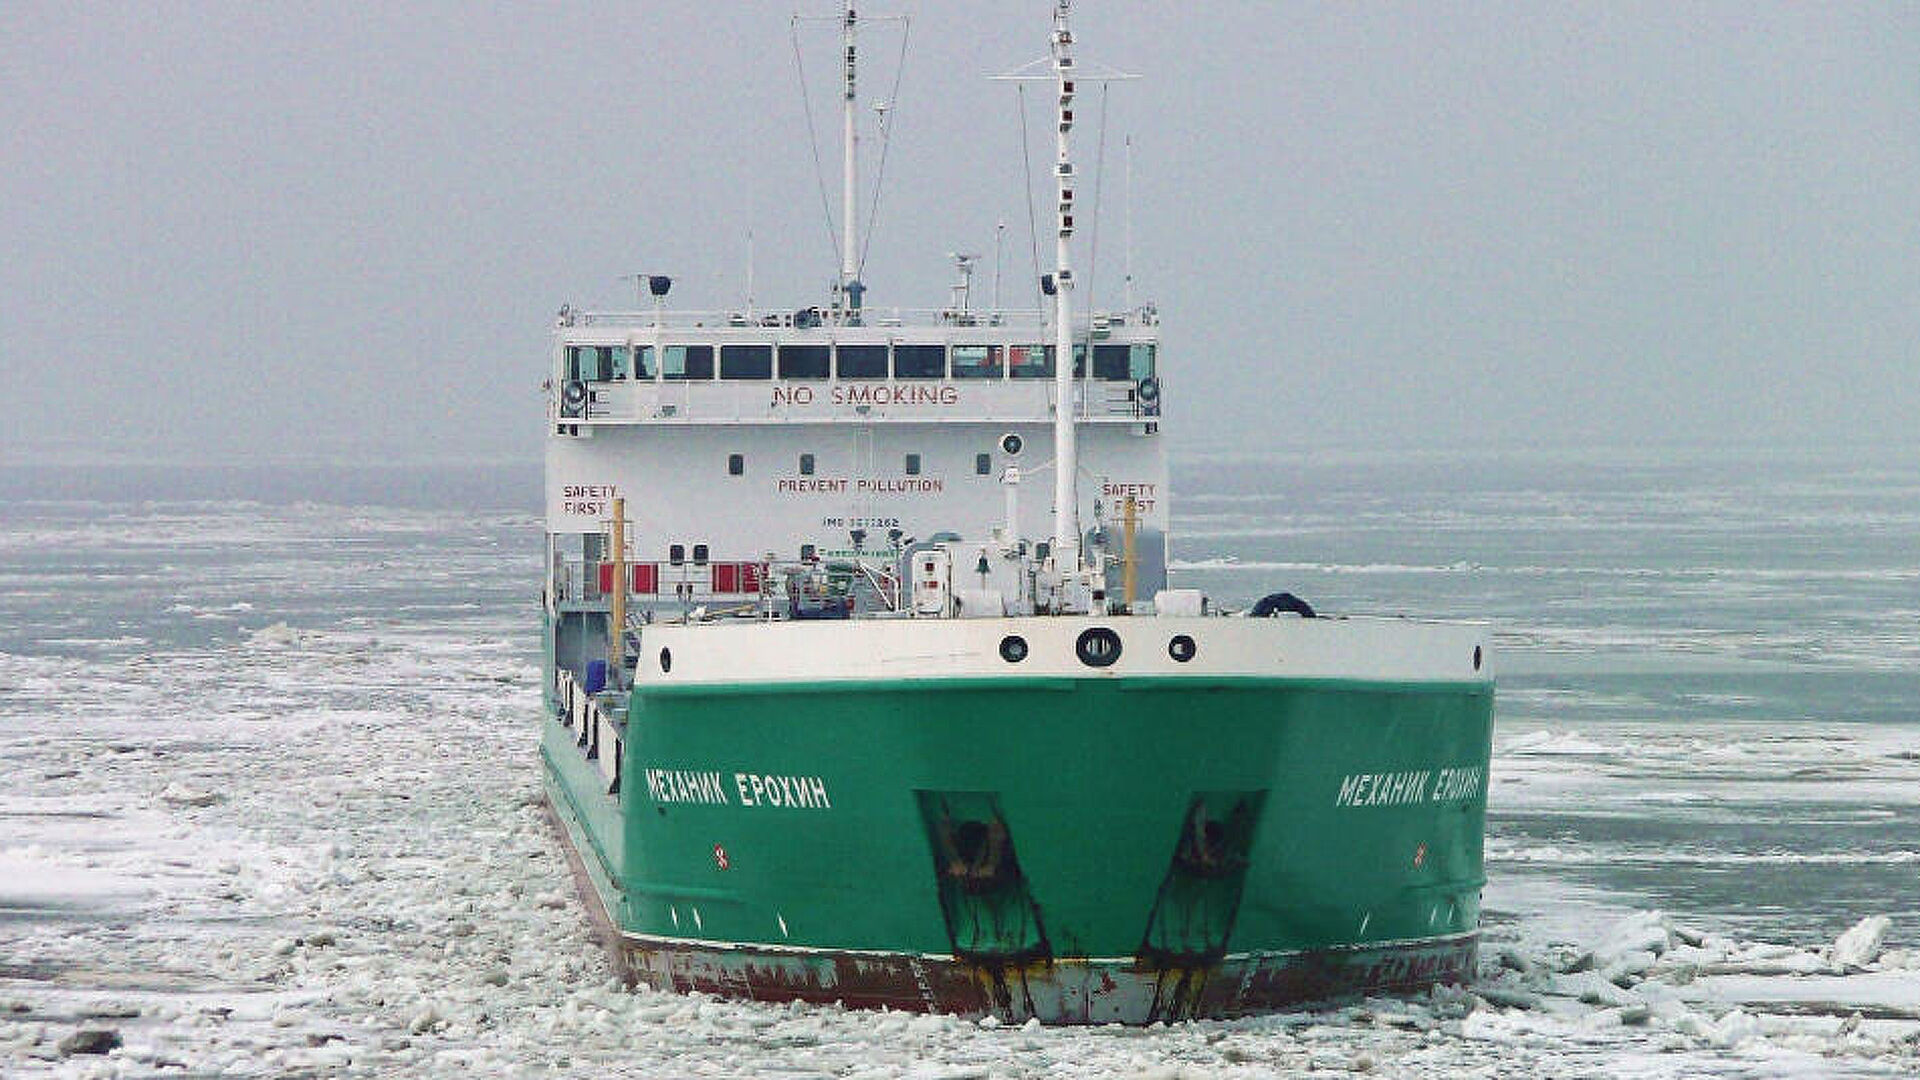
814 318
810 318
586 584
599 736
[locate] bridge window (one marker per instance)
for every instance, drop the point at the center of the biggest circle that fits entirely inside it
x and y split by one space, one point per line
862 361
806 464
913 464
1030 361
736 465
982 464
746 361
688 362
805 361
643 362
1112 362
677 554
699 554
976 362
919 361
589 363
1140 361
1079 359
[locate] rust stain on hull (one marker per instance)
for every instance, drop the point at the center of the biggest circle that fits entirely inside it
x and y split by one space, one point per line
1065 990
1060 990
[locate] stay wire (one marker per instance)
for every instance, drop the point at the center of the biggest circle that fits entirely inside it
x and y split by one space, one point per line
813 141
886 143
1033 226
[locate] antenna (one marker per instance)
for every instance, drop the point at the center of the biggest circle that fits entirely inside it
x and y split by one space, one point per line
999 242
1060 69
963 289
1126 218
848 288
749 275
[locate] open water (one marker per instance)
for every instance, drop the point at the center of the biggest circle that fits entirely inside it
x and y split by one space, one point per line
270 796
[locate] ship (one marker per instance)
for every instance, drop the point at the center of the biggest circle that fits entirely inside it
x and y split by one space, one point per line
867 681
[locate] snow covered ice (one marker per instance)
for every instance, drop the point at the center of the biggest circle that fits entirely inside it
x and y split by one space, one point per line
272 810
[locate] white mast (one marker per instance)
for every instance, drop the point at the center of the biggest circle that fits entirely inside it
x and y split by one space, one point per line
1066 496
1066 503
1128 294
849 180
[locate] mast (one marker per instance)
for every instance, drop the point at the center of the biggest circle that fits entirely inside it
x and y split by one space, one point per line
1128 244
1066 496
850 288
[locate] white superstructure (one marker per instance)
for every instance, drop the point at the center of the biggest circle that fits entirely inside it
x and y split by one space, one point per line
794 464
787 439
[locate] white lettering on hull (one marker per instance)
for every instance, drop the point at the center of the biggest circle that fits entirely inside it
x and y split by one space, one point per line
666 786
1408 787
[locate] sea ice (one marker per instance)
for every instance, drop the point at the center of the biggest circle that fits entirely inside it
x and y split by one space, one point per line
1860 945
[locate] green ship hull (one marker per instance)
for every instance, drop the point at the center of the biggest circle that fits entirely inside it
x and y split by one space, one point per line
1077 848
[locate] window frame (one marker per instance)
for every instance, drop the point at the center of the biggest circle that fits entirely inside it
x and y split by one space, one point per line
886 361
921 351
687 353
781 352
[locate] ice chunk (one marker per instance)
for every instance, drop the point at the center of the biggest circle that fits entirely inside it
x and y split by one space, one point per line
1628 968
90 1041
1644 931
276 636
1591 988
176 794
425 1020
1860 945
1507 996
1547 743
1734 1028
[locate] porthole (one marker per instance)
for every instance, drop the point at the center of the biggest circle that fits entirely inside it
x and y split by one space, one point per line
1181 648
666 661
1013 648
1098 647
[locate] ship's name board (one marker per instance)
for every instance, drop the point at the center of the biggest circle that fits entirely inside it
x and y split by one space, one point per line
1410 787
737 789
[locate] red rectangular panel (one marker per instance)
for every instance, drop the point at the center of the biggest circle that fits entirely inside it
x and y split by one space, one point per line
606 578
750 577
646 578
726 577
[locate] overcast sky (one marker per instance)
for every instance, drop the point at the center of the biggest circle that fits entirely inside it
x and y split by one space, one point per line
285 230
